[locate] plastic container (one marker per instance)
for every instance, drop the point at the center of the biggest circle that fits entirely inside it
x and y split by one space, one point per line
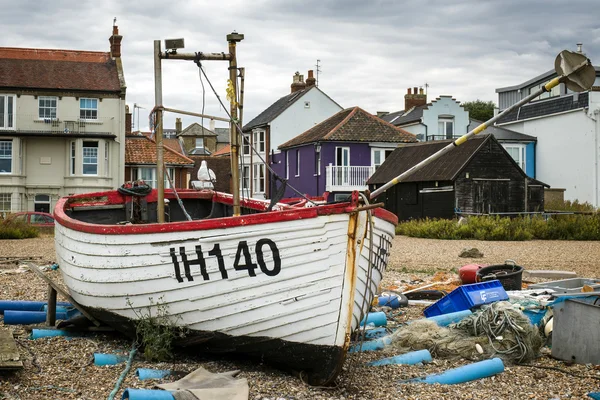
574 285
375 318
509 274
26 305
146 394
414 357
371 345
450 318
466 297
468 273
42 333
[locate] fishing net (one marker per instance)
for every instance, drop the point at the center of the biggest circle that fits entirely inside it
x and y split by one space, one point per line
500 329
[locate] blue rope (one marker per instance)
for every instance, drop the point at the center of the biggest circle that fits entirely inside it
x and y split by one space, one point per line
112 394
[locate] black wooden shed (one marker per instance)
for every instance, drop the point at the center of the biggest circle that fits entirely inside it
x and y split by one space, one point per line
478 177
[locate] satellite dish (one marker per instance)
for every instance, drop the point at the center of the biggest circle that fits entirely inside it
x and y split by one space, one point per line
577 70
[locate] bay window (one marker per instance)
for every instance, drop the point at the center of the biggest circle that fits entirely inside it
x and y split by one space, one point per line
7 111
6 156
90 158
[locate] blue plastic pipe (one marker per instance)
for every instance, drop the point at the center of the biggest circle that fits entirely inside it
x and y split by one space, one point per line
13 317
391 300
371 345
146 394
148 373
375 333
471 372
61 309
101 359
375 318
450 318
414 357
26 305
42 333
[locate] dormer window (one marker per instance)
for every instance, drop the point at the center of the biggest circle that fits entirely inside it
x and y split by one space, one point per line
199 143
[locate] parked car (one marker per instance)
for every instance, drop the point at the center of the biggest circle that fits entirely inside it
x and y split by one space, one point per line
32 217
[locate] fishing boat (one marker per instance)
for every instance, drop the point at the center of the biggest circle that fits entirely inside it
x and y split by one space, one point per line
287 285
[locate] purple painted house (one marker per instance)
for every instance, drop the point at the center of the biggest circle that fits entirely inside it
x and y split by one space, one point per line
338 155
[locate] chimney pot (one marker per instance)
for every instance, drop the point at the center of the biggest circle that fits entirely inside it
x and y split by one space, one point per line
420 90
310 81
415 90
408 91
212 125
298 82
414 99
178 125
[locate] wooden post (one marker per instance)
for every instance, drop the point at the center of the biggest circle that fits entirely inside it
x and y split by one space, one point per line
51 309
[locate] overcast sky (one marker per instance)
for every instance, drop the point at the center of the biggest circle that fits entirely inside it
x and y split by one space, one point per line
370 51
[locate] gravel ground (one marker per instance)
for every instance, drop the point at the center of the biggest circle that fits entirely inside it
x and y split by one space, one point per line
57 368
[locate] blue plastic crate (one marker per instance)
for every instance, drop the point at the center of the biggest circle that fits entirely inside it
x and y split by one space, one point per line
466 297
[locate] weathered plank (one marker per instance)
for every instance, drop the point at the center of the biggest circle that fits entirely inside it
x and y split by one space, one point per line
9 354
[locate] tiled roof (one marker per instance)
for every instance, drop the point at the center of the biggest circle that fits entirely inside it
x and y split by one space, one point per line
275 109
405 116
352 125
58 69
222 135
444 168
545 107
502 133
142 150
172 143
196 129
223 152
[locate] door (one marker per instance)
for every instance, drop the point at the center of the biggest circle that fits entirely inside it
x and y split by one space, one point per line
490 196
342 163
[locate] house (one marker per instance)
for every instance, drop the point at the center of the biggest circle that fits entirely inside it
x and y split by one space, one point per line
567 127
196 139
478 177
62 124
282 121
443 118
222 137
521 147
339 154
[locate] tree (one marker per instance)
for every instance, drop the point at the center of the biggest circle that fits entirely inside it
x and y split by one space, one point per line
479 109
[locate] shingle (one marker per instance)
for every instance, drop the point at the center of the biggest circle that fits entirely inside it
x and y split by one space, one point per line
352 125
142 150
405 116
58 69
545 107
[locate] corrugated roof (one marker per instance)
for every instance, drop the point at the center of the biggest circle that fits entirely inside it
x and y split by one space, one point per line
545 107
58 69
142 150
502 133
352 125
444 168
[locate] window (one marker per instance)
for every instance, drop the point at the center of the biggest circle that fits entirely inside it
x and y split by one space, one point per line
259 141
41 203
47 107
90 158
555 91
7 110
318 160
287 165
245 177
259 178
88 109
106 150
297 162
246 145
5 202
446 128
378 156
72 160
5 156
517 152
148 175
199 143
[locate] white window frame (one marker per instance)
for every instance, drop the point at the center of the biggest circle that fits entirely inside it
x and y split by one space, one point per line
106 156
259 141
318 162
522 162
297 162
152 182
7 146
89 157
287 164
199 141
8 119
55 108
73 158
259 178
245 178
443 123
91 106
5 203
43 199
246 145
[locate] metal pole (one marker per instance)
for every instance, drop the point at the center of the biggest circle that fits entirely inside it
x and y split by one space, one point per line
464 138
193 114
233 38
160 182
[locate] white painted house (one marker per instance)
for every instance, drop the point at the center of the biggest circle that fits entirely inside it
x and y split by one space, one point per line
303 108
62 124
567 127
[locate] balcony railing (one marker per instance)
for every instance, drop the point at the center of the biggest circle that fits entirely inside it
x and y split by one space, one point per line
441 137
68 124
347 178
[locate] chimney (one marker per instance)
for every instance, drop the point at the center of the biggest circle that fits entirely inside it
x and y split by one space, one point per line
580 48
414 99
310 81
127 121
115 43
177 126
212 125
298 83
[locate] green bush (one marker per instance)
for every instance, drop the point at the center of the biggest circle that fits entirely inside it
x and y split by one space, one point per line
568 205
17 230
553 227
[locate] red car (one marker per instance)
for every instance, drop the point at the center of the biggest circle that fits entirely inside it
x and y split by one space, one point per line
33 218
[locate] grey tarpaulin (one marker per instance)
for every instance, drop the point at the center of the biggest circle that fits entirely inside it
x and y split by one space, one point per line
204 385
